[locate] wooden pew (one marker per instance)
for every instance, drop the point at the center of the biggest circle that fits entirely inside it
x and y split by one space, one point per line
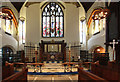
108 72
17 77
7 70
87 76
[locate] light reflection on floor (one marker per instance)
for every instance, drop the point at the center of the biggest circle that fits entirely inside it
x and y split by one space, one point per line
53 78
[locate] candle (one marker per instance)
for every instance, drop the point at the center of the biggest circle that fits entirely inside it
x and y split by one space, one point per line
69 47
35 47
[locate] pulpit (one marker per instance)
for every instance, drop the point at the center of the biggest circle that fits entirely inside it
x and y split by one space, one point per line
52 51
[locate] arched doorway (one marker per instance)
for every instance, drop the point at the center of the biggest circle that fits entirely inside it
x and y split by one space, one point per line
7 54
97 52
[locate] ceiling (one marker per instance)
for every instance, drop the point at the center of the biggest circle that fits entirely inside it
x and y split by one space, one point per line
18 5
87 5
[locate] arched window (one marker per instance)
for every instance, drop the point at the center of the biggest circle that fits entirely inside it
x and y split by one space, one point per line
96 26
7 19
98 19
8 25
82 32
52 21
6 22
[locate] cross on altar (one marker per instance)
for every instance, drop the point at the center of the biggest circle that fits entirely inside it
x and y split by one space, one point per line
114 43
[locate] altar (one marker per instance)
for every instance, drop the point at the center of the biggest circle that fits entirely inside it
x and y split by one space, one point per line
52 51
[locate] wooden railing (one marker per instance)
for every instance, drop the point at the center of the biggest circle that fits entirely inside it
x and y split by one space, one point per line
17 77
87 76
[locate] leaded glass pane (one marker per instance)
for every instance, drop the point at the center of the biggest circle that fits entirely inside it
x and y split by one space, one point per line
53 26
56 6
61 14
61 26
3 24
104 23
57 26
8 27
96 26
59 9
20 31
48 27
44 26
24 32
45 9
44 13
57 14
48 13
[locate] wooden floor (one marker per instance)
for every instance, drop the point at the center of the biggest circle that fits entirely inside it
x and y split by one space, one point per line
53 78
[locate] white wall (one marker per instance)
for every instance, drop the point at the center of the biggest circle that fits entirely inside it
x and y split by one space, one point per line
8 40
33 24
97 40
72 23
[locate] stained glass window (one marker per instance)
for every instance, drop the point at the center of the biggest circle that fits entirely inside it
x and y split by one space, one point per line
52 21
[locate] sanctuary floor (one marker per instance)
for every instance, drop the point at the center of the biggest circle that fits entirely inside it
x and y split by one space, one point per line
52 67
53 78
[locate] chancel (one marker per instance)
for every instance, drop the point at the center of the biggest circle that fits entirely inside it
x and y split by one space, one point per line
59 40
